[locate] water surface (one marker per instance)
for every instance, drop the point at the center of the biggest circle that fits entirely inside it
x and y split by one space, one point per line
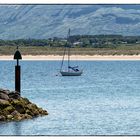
105 100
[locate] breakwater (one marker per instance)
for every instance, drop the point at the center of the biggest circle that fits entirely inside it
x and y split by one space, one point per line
13 107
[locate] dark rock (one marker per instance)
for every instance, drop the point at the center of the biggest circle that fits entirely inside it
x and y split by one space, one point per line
19 105
20 109
29 112
1 112
14 95
4 96
10 100
2 118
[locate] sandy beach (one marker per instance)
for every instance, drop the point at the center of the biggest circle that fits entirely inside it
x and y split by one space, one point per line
77 57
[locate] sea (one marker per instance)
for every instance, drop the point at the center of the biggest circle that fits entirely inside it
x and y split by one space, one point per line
104 100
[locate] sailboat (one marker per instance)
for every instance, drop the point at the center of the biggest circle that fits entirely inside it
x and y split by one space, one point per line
71 70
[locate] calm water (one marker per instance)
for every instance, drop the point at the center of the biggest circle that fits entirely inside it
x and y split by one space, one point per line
105 100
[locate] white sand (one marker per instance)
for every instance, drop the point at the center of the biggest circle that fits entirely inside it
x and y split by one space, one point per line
77 57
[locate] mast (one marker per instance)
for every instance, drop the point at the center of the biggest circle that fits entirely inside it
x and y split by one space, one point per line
69 45
63 59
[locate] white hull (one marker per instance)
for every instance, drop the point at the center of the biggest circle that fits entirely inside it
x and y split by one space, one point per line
71 73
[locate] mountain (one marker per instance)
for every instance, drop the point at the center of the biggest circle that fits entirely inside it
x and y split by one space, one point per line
45 21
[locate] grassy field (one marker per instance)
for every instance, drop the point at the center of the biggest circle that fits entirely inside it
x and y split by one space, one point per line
31 50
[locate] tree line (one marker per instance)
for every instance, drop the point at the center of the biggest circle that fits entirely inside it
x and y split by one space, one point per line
96 41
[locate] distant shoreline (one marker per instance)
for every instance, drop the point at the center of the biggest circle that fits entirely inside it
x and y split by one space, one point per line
74 57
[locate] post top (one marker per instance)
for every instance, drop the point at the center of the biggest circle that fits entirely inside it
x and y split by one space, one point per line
17 54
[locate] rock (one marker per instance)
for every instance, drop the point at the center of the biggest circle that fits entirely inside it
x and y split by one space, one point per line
25 100
29 112
45 112
1 112
20 109
31 106
18 105
17 102
14 95
9 109
9 117
4 96
4 91
27 116
36 112
33 109
22 116
4 103
2 118
15 113
18 118
16 108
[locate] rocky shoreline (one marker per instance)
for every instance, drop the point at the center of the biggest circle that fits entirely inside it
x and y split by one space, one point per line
13 107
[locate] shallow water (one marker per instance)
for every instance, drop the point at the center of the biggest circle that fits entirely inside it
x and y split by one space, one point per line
105 100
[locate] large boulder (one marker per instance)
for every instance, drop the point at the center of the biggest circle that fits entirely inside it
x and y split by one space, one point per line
4 96
4 91
9 117
4 103
18 105
20 109
9 109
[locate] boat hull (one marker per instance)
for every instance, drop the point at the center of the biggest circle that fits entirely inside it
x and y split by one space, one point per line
66 73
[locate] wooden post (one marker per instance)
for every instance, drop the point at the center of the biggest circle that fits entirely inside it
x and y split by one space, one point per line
17 56
17 78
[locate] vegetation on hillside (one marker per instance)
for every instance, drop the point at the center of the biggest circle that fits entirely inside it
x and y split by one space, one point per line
81 45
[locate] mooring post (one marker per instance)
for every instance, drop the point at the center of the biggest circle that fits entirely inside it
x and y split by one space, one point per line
17 56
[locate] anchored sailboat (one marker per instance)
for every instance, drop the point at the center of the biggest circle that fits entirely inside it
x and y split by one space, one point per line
71 70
